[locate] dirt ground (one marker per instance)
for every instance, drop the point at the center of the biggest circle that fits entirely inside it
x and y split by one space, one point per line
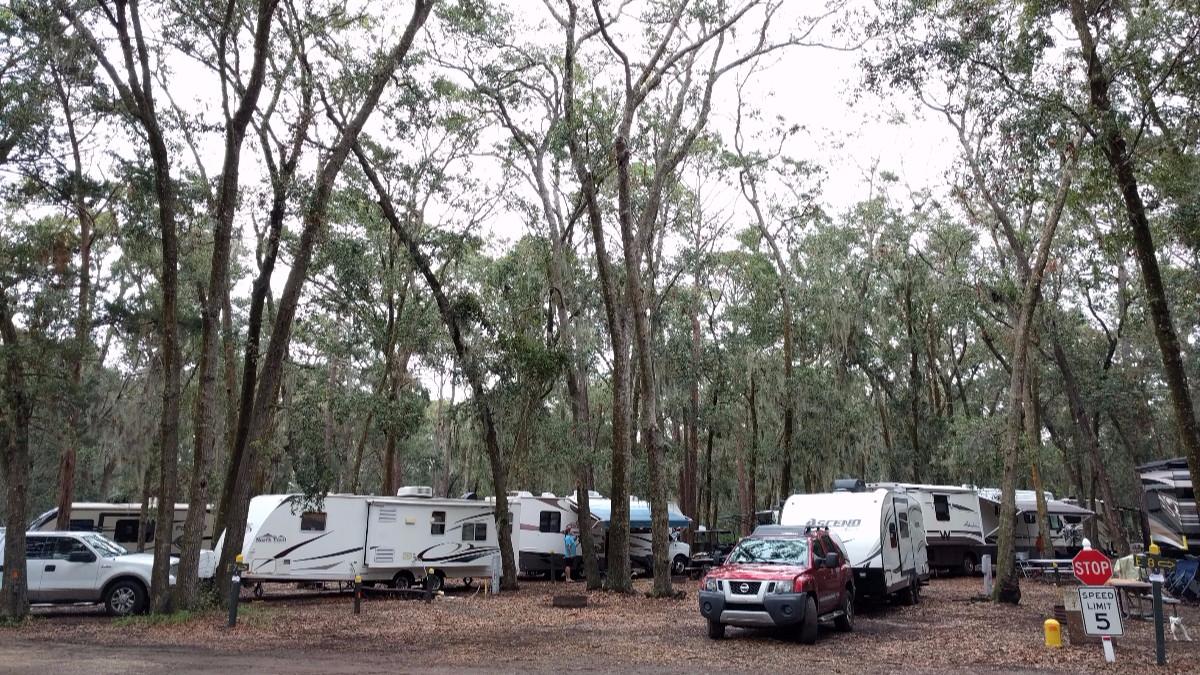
520 632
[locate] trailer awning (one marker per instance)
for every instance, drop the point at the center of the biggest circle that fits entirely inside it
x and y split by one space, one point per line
1053 507
639 513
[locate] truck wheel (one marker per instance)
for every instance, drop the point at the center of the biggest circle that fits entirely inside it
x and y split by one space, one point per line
402 580
679 565
808 627
845 622
124 598
716 630
969 565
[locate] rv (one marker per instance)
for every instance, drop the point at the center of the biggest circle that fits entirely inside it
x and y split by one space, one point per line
954 523
640 538
395 540
1169 506
119 522
882 531
1064 519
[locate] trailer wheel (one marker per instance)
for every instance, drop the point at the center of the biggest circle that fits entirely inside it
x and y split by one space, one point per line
402 580
258 590
912 594
468 582
969 565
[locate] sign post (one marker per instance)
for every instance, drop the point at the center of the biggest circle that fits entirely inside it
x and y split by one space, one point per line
1101 610
1157 564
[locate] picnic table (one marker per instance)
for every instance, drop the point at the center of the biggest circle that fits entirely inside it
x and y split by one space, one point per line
1136 600
1057 568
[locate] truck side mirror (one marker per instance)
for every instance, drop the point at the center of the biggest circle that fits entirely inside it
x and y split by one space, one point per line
81 557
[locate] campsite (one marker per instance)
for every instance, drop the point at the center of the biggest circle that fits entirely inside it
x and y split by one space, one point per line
612 335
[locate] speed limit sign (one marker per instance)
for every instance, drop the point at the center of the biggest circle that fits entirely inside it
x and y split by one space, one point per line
1101 612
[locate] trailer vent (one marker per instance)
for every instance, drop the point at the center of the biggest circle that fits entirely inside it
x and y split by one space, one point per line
415 491
849 485
387 514
385 555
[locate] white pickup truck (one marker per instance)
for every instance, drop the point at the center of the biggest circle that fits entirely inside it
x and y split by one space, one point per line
75 567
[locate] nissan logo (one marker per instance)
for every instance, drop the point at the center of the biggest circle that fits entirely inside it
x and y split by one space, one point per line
744 588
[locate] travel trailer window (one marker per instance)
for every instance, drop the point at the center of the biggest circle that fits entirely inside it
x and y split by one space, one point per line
941 507
126 531
474 532
551 521
312 521
83 525
1029 518
903 518
438 526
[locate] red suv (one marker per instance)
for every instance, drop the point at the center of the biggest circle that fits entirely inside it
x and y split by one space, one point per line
783 577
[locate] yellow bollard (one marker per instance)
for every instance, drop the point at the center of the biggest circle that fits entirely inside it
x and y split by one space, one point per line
1053 633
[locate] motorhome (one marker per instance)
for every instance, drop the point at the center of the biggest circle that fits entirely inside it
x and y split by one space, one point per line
954 523
119 522
1169 506
640 537
395 540
883 532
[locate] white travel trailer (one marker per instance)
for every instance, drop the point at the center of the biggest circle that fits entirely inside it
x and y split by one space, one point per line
954 523
396 540
543 522
883 533
1066 536
119 522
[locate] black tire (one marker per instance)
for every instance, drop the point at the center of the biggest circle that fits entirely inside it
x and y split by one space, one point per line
912 594
845 622
716 630
468 582
402 580
679 565
969 565
125 598
808 627
258 590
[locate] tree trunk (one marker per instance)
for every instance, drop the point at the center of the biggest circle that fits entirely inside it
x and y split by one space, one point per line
1006 578
260 414
212 301
1033 445
1087 442
617 538
1116 150
466 362
15 464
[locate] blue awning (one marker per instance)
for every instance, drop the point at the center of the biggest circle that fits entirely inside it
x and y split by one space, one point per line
639 513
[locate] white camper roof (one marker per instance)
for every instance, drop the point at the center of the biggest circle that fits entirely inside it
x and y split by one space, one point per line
927 487
1053 507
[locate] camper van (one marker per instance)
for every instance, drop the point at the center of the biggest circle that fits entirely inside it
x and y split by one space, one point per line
119 522
954 523
395 540
882 531
1169 505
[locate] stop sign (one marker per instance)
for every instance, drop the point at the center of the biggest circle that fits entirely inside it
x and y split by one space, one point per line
1091 567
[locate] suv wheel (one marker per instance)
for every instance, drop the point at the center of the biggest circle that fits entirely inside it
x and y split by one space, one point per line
845 622
125 598
716 629
808 627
